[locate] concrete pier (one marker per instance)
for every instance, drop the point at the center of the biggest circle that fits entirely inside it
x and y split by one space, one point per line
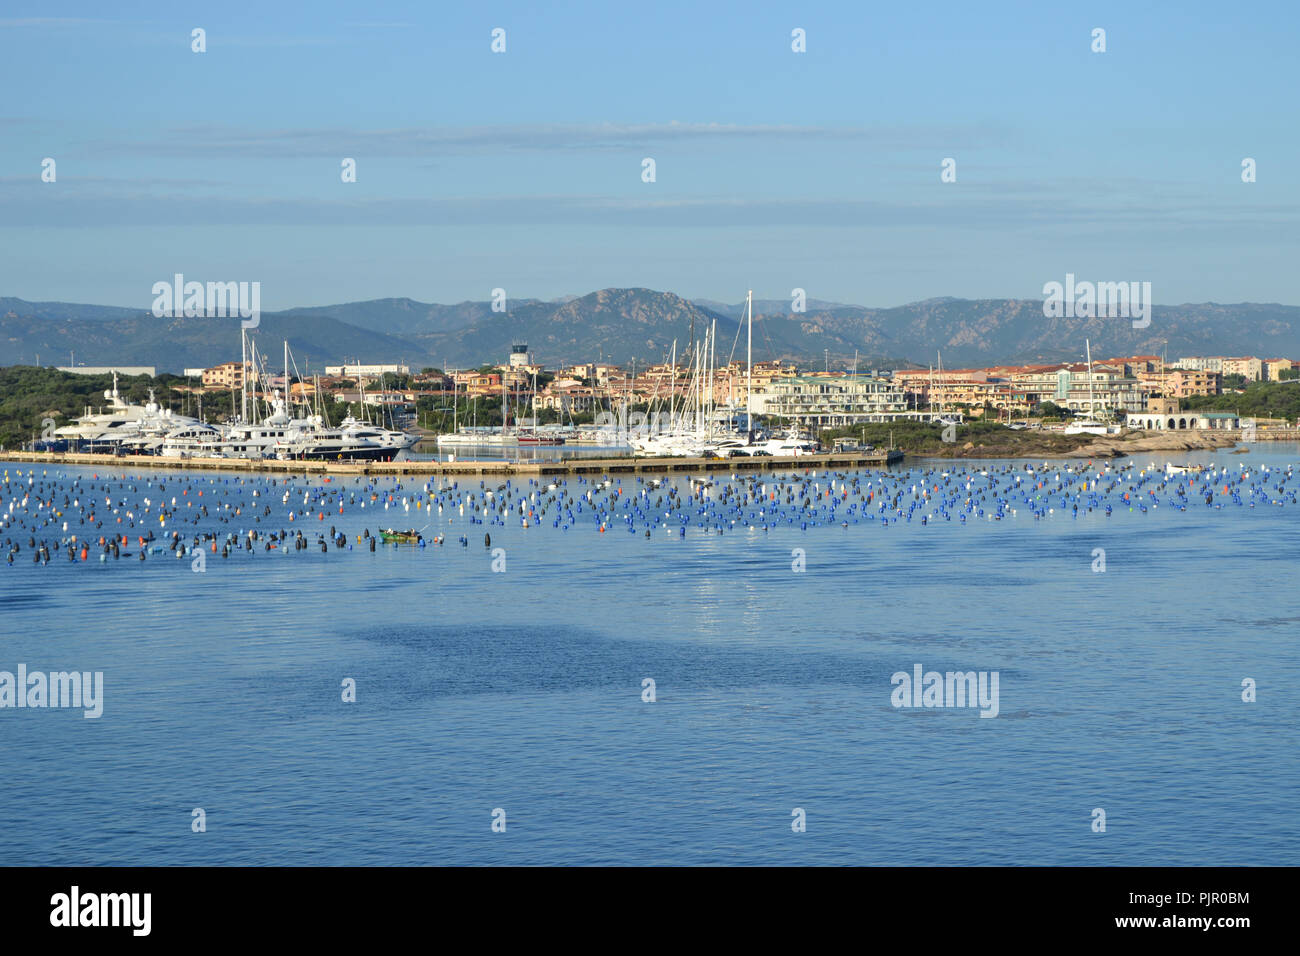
846 461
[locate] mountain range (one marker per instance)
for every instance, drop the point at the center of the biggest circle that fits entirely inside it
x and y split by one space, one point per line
626 325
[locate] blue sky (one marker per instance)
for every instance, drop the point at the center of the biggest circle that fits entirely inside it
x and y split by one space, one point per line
774 170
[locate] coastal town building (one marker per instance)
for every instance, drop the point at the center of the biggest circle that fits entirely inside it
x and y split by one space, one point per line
1107 392
828 401
1116 387
431 381
1248 366
1134 366
478 383
1204 363
1165 414
395 400
1273 368
226 375
358 371
567 396
973 389
1181 383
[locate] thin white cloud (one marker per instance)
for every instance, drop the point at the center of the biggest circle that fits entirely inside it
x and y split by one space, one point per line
50 21
205 140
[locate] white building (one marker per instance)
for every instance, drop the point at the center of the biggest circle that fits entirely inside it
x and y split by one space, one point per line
519 355
1167 414
826 401
1180 421
1201 363
353 371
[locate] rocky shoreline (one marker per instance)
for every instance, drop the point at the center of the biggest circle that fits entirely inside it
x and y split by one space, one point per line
1053 445
1141 442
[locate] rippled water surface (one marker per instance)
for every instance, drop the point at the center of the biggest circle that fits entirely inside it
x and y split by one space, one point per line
522 690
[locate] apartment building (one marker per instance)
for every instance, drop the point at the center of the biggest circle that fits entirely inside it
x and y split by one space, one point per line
1069 386
568 396
1201 363
478 383
1181 383
826 401
365 371
1274 367
1249 366
227 375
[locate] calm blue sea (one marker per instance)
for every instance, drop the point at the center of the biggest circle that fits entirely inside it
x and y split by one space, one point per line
522 691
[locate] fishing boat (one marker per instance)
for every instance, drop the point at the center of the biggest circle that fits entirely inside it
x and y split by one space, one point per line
399 537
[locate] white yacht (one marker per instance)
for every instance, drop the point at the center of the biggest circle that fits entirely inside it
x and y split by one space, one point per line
134 429
199 440
385 437
791 444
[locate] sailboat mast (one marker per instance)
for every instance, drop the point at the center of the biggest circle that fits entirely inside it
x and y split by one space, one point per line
672 389
713 365
1092 404
696 375
749 363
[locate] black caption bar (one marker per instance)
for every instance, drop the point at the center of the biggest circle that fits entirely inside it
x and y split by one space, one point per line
138 905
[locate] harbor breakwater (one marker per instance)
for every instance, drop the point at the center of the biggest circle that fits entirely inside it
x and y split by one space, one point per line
572 466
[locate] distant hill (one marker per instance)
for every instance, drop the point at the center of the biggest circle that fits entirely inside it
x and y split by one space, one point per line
405 316
620 325
765 306
176 344
63 310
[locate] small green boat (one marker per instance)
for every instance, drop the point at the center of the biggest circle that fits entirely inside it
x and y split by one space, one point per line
399 537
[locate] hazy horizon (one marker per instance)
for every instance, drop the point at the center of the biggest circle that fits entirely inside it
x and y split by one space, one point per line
690 298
